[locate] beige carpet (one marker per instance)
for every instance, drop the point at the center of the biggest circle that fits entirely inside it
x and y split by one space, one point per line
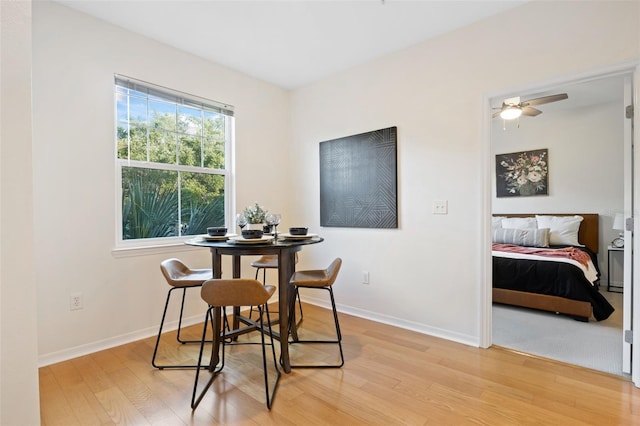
595 345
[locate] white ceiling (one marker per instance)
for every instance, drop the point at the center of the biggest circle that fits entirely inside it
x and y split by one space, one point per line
296 42
291 43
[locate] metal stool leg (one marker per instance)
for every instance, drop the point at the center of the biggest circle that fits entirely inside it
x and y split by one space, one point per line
262 310
269 395
214 372
164 314
299 305
264 281
338 340
184 293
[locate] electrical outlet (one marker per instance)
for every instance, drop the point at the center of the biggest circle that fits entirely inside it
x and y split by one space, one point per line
365 277
440 207
75 301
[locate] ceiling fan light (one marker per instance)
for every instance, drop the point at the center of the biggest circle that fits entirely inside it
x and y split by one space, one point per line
511 112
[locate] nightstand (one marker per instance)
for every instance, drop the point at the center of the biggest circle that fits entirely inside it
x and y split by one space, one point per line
610 251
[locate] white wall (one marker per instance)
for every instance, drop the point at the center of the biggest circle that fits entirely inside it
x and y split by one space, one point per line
428 274
18 355
75 58
585 164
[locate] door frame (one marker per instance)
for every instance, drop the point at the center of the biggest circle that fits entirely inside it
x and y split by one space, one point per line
485 291
635 290
630 199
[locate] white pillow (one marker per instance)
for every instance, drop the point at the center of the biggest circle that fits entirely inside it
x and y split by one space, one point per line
563 229
522 237
520 223
496 221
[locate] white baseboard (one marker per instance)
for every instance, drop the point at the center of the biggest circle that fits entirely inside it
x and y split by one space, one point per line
89 348
397 322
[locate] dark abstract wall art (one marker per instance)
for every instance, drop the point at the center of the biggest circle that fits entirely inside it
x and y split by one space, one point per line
358 180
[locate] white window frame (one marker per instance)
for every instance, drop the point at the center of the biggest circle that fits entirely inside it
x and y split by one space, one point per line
123 246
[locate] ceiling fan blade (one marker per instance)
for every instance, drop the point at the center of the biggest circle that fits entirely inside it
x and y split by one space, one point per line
545 99
530 111
496 114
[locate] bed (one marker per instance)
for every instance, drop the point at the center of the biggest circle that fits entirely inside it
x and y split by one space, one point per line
549 285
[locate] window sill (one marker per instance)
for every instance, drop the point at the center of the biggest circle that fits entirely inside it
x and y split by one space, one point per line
122 252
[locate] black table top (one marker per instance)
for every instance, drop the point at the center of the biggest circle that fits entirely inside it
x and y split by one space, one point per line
275 245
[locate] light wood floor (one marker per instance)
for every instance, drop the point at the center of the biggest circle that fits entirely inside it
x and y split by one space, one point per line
391 376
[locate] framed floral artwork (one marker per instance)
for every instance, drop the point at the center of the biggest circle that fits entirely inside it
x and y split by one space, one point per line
520 174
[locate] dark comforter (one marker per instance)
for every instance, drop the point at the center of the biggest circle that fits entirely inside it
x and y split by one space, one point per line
551 278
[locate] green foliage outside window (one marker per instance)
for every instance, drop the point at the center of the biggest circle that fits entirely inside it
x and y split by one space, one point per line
150 203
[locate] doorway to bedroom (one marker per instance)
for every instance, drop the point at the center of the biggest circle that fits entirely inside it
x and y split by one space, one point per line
583 141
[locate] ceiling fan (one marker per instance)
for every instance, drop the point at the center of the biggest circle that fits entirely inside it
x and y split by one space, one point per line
513 107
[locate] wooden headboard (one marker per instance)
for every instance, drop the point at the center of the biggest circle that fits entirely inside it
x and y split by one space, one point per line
588 234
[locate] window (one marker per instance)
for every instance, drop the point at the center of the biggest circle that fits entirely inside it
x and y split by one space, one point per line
172 154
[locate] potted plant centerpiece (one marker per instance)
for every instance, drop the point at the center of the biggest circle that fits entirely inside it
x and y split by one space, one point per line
255 216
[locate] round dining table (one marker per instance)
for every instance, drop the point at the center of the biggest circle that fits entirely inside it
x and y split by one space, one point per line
285 249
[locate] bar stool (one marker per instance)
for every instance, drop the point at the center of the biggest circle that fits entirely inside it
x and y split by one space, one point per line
270 261
180 277
220 293
318 279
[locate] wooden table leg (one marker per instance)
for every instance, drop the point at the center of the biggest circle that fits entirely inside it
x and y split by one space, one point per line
217 330
237 264
216 263
286 267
